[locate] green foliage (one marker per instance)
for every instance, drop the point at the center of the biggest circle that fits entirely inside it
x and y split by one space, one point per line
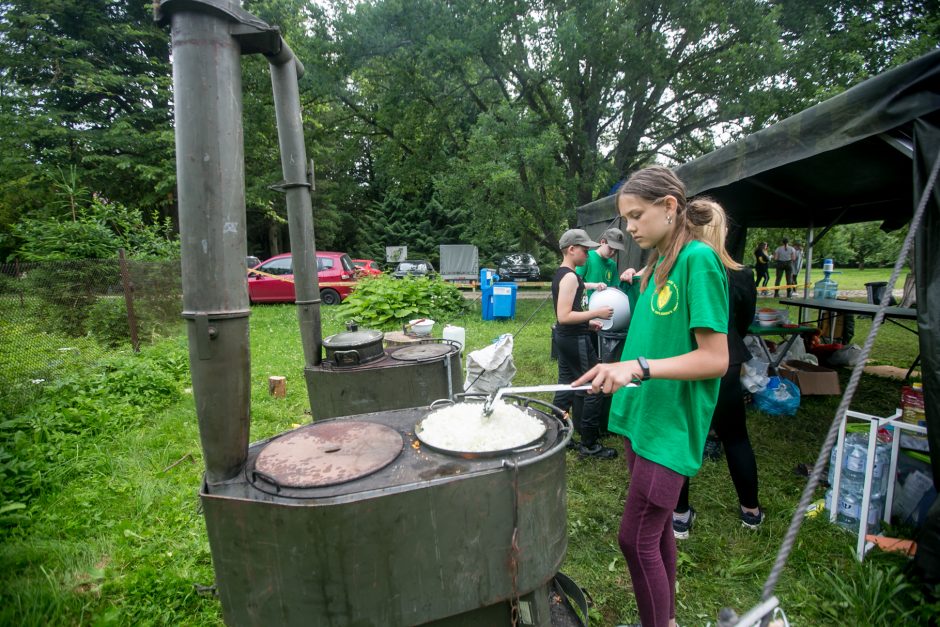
511 114
97 231
873 589
383 302
113 533
109 316
68 290
46 239
38 441
849 245
86 85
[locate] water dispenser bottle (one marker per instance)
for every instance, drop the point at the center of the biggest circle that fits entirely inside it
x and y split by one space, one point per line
826 288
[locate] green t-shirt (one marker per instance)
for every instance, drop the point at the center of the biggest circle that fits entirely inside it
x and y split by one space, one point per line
599 270
667 420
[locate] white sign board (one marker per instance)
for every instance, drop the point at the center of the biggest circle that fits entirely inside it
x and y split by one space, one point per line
394 254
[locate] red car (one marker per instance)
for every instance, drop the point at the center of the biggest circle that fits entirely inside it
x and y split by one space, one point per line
273 280
367 266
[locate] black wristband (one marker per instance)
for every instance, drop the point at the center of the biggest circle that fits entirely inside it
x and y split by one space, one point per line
645 367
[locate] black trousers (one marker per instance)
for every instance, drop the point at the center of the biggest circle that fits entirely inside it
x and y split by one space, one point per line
784 268
577 355
763 276
730 423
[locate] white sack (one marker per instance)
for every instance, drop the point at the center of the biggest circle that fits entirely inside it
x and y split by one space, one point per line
490 368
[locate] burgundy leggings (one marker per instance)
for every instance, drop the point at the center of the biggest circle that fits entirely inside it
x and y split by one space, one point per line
646 537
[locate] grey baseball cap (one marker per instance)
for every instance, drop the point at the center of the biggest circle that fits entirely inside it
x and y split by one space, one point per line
576 237
614 237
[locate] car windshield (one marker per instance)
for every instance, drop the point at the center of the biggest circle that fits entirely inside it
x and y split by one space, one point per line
520 259
278 266
410 266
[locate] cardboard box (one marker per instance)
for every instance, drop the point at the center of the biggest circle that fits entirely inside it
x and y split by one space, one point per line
811 379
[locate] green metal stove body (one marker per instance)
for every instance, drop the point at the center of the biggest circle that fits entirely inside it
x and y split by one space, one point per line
426 539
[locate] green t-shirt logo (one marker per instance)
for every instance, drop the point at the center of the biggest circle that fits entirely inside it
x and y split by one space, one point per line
666 300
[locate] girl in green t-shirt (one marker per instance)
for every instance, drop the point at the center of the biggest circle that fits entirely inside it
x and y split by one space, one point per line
677 346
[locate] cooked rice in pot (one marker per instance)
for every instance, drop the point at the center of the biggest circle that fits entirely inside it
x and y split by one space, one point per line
462 427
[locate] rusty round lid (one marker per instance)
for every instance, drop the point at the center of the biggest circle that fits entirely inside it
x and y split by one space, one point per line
328 453
422 352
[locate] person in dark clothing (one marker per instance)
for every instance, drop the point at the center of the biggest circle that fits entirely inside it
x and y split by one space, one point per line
783 260
729 420
762 265
573 337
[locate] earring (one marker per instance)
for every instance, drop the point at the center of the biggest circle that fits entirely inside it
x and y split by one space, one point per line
668 219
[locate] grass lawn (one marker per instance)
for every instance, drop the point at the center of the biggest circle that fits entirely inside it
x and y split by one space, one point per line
113 533
852 278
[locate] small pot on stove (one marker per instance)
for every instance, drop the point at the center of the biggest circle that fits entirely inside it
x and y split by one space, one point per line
354 347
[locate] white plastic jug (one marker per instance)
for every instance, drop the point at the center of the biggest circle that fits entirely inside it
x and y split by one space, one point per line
457 334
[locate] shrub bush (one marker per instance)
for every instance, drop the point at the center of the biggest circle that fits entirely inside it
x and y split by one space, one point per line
383 302
38 442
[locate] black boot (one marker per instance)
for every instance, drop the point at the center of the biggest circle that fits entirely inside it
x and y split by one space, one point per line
596 450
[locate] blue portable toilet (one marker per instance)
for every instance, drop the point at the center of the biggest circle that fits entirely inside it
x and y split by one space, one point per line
498 299
504 300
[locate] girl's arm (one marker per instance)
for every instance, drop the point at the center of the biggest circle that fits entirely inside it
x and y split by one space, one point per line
708 361
566 293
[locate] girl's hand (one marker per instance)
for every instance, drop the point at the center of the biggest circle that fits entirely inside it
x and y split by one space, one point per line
600 287
606 312
608 378
628 274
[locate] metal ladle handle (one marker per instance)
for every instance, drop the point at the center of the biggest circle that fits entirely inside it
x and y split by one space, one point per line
554 387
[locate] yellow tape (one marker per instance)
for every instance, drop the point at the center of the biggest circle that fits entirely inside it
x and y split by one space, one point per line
291 279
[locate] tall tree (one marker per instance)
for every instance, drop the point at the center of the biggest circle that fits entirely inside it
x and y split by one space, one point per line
86 84
549 101
524 109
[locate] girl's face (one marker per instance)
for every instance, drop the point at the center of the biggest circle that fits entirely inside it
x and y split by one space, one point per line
648 223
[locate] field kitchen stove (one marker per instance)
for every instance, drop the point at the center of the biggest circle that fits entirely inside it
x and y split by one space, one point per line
354 521
394 378
351 520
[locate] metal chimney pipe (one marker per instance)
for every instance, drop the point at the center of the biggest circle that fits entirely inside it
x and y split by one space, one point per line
211 187
285 71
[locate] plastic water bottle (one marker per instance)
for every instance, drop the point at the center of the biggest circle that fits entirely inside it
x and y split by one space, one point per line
826 288
856 456
849 504
882 466
876 506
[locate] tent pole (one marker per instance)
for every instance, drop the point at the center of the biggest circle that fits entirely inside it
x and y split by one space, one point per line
807 265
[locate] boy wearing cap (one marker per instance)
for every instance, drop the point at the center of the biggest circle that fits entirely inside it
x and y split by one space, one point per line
600 266
573 338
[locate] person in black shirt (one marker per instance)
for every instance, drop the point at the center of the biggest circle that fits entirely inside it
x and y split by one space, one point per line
729 420
762 265
574 341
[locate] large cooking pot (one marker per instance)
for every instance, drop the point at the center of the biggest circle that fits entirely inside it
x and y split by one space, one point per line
354 347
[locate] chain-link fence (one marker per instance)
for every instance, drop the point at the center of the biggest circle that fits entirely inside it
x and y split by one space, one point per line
57 315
